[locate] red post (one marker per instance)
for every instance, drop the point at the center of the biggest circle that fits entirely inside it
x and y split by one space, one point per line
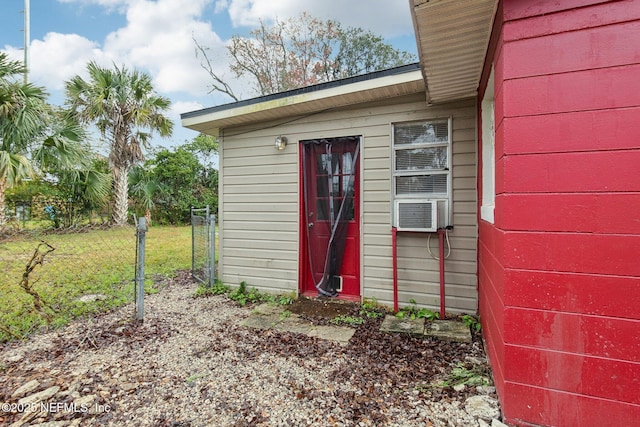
394 245
441 251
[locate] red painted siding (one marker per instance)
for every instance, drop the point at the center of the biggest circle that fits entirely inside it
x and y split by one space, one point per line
602 213
586 90
574 373
544 406
603 14
611 254
591 294
592 48
518 9
599 336
559 270
491 275
572 132
573 172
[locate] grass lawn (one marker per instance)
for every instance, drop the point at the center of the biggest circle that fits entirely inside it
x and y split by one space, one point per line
99 262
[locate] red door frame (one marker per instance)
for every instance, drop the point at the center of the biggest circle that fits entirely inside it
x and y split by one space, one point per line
303 259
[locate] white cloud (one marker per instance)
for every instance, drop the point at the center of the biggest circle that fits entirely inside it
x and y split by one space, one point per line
180 107
159 37
58 57
388 18
221 6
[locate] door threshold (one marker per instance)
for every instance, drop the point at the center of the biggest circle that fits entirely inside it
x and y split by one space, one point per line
316 295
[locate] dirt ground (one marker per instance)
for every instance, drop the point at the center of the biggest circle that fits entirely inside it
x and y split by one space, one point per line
320 309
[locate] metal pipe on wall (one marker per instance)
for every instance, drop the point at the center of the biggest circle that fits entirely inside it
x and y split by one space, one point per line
441 235
394 245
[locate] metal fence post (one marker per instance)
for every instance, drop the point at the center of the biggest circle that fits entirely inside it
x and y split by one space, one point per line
193 246
212 250
140 234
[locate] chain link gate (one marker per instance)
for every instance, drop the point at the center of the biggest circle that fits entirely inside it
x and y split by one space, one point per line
203 240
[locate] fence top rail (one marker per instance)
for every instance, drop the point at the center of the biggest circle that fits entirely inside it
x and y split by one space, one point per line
36 233
195 211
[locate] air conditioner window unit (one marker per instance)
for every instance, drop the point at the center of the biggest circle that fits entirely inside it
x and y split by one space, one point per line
416 215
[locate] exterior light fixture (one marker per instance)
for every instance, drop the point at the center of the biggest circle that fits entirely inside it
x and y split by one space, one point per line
281 142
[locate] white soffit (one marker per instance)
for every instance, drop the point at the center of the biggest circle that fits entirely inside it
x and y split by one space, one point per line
306 101
452 37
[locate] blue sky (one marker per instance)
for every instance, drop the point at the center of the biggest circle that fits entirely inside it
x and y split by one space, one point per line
155 36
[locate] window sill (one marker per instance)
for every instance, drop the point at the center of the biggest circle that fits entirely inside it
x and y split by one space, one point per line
487 213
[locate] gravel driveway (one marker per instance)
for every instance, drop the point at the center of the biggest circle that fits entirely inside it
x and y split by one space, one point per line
192 364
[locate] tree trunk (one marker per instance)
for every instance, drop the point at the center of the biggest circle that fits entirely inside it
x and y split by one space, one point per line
120 195
3 206
147 215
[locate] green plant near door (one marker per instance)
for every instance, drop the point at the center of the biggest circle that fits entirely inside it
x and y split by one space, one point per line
413 312
472 322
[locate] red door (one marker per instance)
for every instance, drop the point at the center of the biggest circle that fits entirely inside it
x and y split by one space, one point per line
330 255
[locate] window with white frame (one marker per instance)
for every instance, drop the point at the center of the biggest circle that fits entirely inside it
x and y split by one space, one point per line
488 153
422 167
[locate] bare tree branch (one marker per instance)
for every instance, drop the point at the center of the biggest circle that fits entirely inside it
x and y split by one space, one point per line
36 259
300 52
9 332
218 84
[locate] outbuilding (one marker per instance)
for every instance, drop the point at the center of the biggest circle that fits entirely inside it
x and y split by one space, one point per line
311 178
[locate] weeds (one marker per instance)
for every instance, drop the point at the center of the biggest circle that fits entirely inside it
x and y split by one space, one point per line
472 322
242 295
193 378
217 288
462 374
466 374
371 310
285 315
412 312
347 320
283 299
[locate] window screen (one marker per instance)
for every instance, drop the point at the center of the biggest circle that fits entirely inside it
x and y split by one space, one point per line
421 159
436 132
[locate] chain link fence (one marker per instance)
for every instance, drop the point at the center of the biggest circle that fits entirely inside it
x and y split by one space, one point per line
48 276
203 237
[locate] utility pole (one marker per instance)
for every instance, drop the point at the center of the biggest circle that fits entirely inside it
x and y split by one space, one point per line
27 41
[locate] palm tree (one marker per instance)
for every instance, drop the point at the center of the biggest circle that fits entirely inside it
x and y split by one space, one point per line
86 188
126 110
145 190
32 134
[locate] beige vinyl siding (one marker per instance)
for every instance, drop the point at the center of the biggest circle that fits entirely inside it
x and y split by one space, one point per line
259 208
260 214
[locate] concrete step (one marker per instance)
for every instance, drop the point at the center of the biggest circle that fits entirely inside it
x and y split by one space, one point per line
449 330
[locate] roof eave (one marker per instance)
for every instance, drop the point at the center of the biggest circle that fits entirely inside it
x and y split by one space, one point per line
452 38
310 100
